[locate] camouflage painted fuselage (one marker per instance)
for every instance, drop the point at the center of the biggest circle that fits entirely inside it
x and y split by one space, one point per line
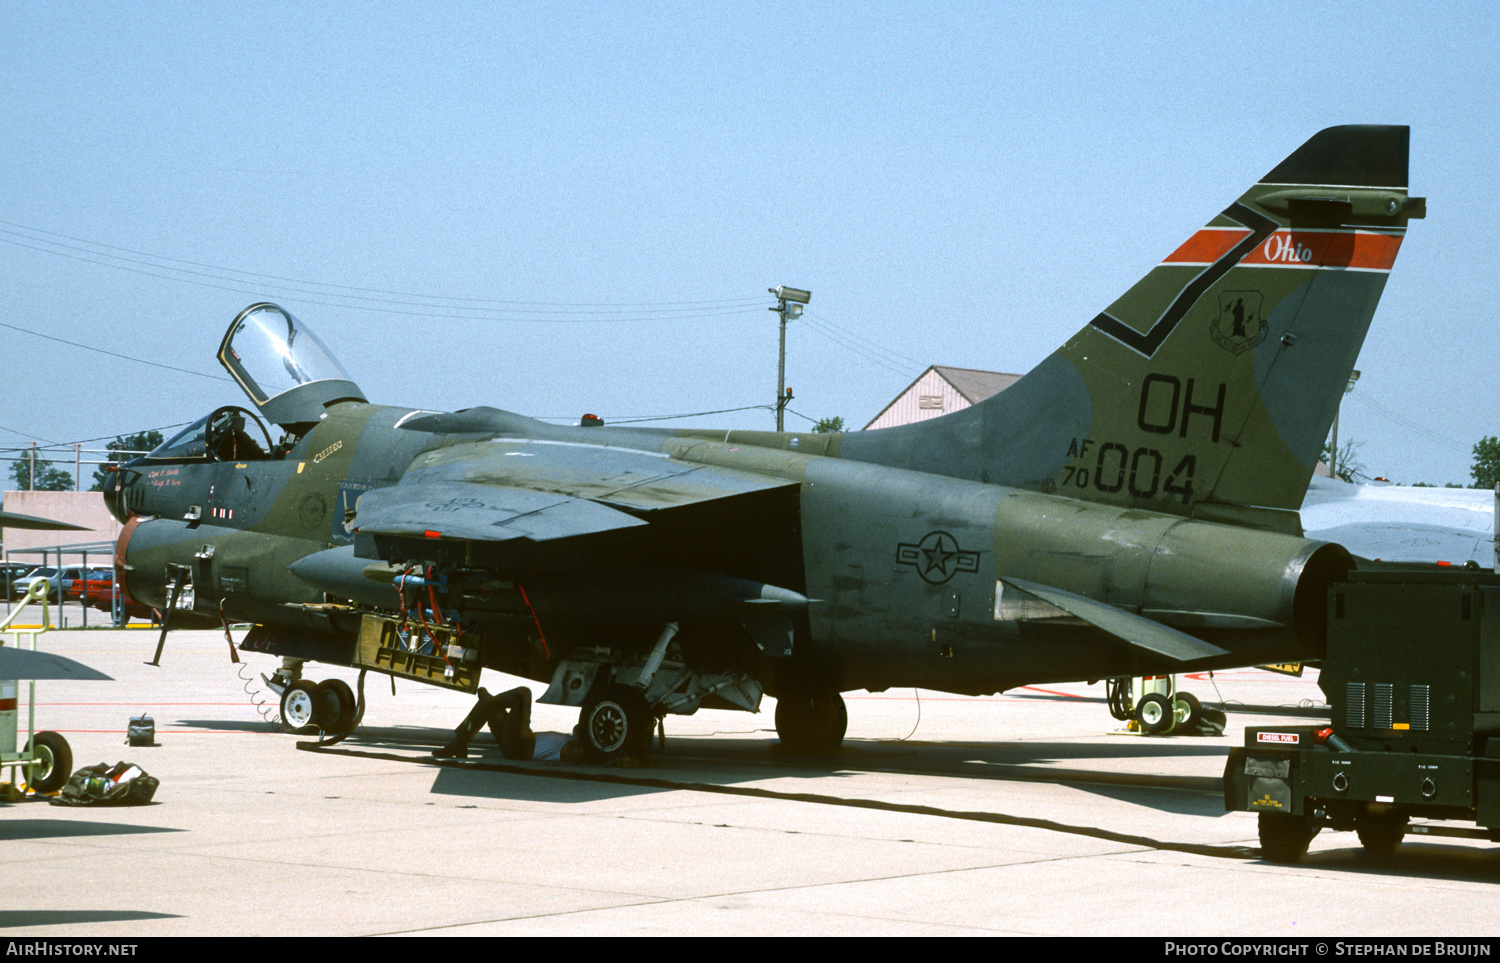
1128 507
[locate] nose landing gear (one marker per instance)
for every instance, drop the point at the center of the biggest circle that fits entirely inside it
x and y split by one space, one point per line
308 708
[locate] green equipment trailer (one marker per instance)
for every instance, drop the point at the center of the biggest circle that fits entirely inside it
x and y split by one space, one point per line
1412 676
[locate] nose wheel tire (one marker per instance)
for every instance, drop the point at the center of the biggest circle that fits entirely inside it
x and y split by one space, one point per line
339 705
303 708
615 722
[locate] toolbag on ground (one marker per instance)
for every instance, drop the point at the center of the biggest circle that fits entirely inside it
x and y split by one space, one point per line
123 784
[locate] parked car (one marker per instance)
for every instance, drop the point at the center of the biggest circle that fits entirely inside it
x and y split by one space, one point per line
99 583
98 591
12 572
60 580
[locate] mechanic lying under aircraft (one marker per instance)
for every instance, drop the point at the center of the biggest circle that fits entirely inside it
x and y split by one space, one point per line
1127 508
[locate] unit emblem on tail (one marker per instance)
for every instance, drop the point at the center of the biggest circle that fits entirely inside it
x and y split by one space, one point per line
1240 325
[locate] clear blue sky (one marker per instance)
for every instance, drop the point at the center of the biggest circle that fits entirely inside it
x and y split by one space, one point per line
957 184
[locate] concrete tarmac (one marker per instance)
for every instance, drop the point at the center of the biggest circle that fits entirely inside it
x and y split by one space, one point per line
1017 814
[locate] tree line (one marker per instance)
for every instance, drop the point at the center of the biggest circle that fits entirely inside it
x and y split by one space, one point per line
43 474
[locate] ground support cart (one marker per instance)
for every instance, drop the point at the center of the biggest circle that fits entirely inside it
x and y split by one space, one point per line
1412 677
46 761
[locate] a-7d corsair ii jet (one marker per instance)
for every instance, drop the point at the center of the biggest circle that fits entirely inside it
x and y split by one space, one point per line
1129 507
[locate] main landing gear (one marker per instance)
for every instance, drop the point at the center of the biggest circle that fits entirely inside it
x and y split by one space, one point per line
617 716
811 723
622 695
615 721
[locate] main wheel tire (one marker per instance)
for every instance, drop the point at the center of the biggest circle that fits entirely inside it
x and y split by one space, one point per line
1284 838
615 721
811 724
54 762
1381 835
303 708
1189 710
340 705
1155 713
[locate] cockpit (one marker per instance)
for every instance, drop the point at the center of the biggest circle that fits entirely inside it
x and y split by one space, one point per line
224 435
283 366
291 379
288 374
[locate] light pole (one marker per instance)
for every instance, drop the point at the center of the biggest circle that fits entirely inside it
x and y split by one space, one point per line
1333 446
789 302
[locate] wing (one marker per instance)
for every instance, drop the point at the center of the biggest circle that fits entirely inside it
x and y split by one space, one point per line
455 509
510 488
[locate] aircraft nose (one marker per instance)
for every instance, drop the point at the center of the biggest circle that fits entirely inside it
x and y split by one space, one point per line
114 496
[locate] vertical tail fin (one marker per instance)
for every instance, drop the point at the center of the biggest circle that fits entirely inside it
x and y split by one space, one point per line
1213 381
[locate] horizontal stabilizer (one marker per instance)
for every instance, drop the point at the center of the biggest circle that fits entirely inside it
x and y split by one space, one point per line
26 664
17 520
1136 630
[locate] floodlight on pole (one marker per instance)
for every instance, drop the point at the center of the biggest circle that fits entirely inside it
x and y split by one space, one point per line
789 302
1333 444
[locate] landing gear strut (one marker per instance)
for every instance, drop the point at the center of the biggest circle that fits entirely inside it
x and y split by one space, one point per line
616 719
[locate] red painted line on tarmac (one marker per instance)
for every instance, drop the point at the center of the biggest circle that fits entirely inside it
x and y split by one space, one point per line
138 703
925 698
179 730
1066 695
1259 675
959 698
